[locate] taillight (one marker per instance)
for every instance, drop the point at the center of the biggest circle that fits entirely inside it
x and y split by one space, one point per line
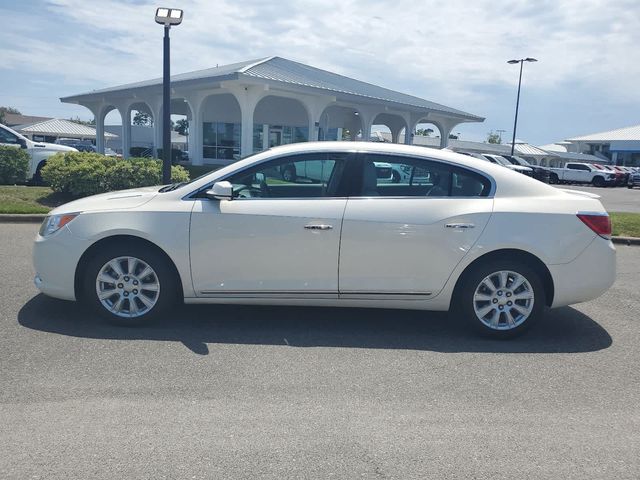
600 223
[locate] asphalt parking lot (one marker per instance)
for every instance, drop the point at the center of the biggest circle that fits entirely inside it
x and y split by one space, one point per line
255 392
614 199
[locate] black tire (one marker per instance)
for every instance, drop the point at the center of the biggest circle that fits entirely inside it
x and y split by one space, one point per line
553 179
598 182
164 274
289 173
395 176
36 180
630 185
471 282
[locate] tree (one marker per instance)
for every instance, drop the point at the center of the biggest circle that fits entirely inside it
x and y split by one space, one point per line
493 137
4 110
425 132
143 119
88 123
182 126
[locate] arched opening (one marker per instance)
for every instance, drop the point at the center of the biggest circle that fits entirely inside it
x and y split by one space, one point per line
180 120
339 123
141 123
426 134
112 139
386 127
279 121
221 128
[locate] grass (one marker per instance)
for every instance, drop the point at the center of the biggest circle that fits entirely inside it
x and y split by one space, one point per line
625 224
22 199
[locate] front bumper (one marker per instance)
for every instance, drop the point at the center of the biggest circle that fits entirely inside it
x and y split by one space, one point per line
55 259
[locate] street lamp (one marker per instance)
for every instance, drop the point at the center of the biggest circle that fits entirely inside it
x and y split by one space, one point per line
515 122
167 17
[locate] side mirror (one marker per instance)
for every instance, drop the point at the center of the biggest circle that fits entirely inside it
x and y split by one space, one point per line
22 142
220 191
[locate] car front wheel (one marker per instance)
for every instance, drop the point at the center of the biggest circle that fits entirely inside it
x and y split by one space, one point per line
129 285
502 299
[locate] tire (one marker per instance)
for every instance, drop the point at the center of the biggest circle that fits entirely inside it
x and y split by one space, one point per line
36 180
395 176
598 182
516 316
553 179
149 268
289 173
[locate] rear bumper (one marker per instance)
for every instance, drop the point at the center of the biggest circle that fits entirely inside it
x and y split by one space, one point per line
587 277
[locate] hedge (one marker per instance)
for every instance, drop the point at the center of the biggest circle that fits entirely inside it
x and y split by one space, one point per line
82 173
14 165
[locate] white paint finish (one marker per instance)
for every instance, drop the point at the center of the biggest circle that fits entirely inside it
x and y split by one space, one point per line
403 245
262 245
587 277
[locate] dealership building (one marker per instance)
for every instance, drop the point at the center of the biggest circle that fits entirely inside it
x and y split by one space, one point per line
235 110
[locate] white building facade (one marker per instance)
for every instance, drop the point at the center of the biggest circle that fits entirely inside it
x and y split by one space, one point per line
235 110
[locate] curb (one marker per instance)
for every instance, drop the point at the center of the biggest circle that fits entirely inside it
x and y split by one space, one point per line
626 240
39 218
21 218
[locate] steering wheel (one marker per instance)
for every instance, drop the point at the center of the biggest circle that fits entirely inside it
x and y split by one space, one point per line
247 191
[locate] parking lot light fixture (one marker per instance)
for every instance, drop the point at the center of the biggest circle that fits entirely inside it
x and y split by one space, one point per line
168 17
515 122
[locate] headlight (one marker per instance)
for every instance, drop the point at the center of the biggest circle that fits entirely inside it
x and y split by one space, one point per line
53 223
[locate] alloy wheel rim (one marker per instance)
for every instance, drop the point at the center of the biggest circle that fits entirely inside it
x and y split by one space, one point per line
127 287
503 300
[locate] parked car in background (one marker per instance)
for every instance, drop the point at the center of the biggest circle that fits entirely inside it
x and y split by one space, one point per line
620 176
576 172
38 151
634 179
539 173
494 247
500 160
80 145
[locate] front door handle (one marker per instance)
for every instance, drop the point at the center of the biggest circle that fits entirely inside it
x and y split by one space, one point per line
318 227
460 225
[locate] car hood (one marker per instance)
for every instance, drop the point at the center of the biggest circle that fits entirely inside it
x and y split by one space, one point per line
120 200
54 147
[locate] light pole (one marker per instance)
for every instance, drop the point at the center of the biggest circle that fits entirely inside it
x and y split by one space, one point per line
167 17
515 122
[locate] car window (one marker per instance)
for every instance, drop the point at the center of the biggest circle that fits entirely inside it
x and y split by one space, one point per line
299 176
396 176
7 137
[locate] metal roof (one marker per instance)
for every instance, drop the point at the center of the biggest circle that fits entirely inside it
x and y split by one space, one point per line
60 128
526 149
579 157
628 133
283 71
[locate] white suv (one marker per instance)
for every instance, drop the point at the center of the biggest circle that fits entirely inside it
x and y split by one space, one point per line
38 151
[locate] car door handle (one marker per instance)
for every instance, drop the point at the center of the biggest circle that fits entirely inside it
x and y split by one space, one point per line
460 225
318 227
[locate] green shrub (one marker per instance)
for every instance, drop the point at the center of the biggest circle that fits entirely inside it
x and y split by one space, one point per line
176 154
81 174
14 165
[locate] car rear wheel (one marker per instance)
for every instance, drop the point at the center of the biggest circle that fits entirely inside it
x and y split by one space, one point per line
553 179
129 285
502 299
598 182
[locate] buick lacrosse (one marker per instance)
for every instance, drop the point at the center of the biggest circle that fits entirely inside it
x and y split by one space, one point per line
319 224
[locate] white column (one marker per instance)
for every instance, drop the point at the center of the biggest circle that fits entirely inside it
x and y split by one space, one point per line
247 97
395 134
265 136
100 131
195 134
125 114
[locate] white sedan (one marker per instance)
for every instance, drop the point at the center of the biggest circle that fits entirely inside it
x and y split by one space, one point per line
492 245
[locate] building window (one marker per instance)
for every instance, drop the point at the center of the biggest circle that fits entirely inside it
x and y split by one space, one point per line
221 140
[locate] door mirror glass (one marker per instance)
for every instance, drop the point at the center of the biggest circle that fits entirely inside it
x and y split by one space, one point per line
22 142
220 191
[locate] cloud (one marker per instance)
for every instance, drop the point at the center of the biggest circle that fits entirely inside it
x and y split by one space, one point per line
450 52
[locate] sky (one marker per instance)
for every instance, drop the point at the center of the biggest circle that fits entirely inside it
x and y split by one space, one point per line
455 53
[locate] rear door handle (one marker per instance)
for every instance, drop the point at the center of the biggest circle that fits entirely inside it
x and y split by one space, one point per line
460 225
318 227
